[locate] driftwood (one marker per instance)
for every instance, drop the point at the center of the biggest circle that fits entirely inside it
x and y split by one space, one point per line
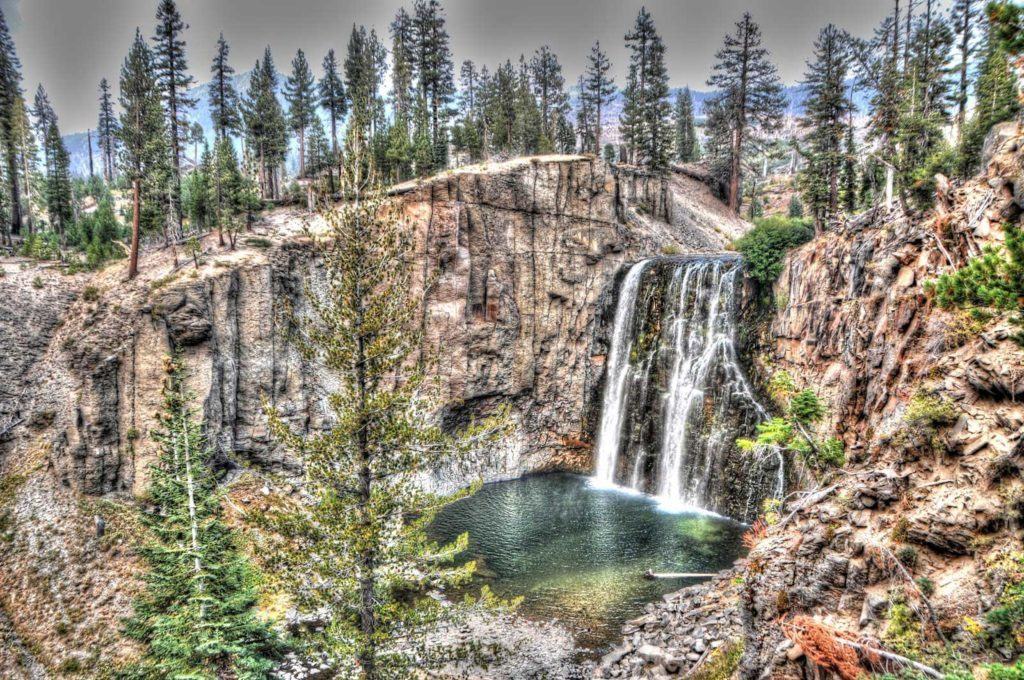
651 575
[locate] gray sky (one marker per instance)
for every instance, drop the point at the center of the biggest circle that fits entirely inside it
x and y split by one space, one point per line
68 45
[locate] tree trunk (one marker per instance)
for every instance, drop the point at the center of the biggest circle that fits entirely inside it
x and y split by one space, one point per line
88 138
302 152
133 257
12 180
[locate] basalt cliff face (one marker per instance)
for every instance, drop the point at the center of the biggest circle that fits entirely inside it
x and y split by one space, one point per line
517 256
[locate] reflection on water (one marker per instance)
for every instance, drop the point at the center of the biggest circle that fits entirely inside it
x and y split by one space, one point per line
578 553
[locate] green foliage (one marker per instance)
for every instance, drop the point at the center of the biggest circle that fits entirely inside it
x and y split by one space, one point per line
994 280
764 247
903 630
195 617
795 210
355 550
1001 672
790 433
646 113
1008 617
722 664
806 408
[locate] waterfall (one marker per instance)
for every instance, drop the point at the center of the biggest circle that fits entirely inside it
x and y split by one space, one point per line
613 413
675 395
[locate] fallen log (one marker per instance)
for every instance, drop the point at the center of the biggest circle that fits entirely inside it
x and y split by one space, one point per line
651 575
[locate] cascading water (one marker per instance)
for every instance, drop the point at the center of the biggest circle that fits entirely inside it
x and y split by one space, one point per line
675 396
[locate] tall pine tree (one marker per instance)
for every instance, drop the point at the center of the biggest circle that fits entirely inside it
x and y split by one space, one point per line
549 90
196 616
826 111
174 81
106 128
331 90
434 69
646 124
265 125
223 97
966 17
687 148
597 90
144 147
300 92
360 537
750 95
10 105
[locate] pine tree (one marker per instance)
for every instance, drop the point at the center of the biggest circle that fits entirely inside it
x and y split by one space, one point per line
597 90
266 129
44 116
174 81
332 100
966 16
318 151
586 120
360 536
995 101
848 178
234 194
646 126
10 104
528 134
198 197
196 616
364 65
300 92
826 110
751 94
403 57
549 89
142 135
223 97
433 66
687 148
500 107
107 130
32 184
59 199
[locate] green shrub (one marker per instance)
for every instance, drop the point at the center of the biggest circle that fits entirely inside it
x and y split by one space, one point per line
1001 672
1008 616
929 411
907 556
994 280
37 282
805 407
90 293
925 585
765 246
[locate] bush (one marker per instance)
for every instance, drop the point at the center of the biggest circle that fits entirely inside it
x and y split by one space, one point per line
993 280
765 246
805 407
90 293
37 282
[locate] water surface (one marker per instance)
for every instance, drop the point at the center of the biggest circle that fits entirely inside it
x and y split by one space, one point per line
577 553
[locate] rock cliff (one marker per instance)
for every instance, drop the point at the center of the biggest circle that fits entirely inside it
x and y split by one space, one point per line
924 517
516 256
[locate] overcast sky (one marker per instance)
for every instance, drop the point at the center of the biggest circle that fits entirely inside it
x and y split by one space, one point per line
68 45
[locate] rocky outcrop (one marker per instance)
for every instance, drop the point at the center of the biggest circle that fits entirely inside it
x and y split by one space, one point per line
516 256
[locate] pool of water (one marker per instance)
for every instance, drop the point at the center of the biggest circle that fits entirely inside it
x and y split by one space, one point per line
578 553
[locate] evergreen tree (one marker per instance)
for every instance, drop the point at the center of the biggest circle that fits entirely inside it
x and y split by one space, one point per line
549 90
848 178
104 232
433 66
687 148
318 151
198 197
10 106
59 199
826 110
235 196
965 19
107 130
528 134
597 90
360 537
224 102
144 147
995 101
300 92
404 59
44 116
196 616
332 99
364 66
646 122
795 209
586 120
751 96
500 107
174 81
266 130
32 184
